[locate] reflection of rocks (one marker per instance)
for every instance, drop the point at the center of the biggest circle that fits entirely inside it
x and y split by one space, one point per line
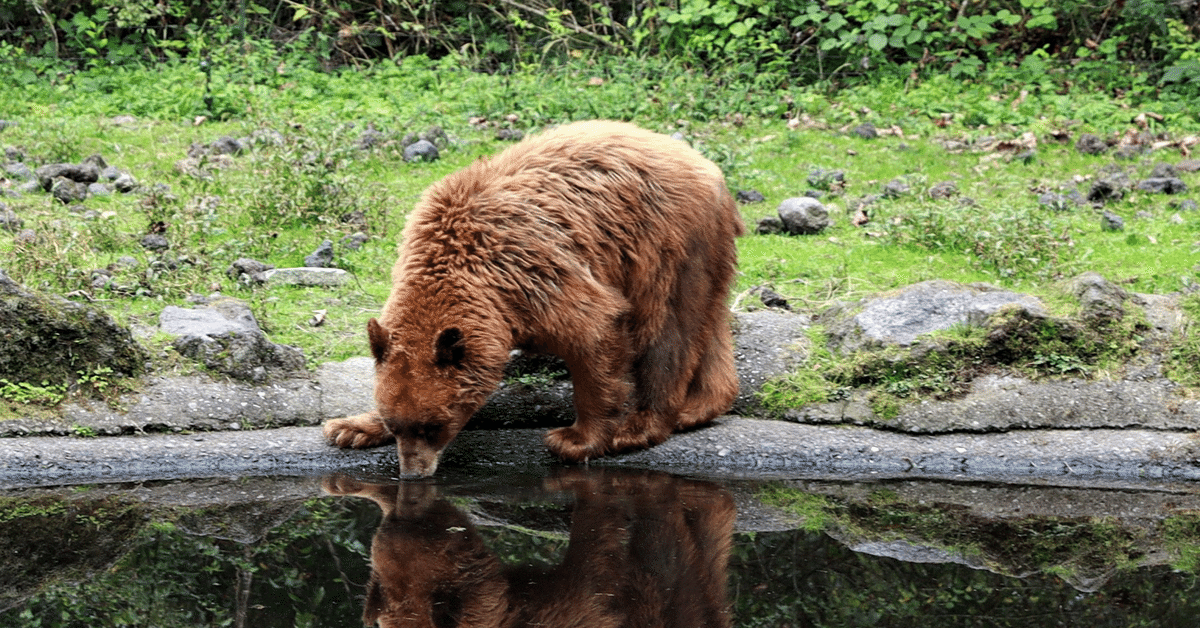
1083 535
653 548
224 336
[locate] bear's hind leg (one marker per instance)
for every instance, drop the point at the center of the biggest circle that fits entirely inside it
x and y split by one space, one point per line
641 430
714 384
358 432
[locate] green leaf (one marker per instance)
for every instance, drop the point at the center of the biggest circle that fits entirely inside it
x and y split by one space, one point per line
301 13
877 41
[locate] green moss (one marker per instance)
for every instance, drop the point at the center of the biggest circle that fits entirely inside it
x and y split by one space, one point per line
807 384
816 512
1181 535
1183 354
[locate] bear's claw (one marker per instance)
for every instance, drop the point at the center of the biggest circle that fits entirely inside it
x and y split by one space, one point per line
572 445
357 432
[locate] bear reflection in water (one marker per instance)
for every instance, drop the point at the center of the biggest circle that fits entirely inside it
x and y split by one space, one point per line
646 549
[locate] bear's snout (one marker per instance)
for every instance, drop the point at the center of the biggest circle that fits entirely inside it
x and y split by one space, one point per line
417 458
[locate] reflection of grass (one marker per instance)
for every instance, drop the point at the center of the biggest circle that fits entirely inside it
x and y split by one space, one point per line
1071 547
1182 536
814 511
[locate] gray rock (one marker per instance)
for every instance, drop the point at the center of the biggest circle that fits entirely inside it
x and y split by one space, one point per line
19 172
866 131
155 242
9 220
421 150
125 183
226 146
96 161
74 172
516 135
322 257
224 336
1111 222
67 191
901 317
803 216
248 271
1100 300
1110 187
770 298
943 190
1130 151
370 138
1163 185
1163 170
1089 144
896 188
47 337
1061 201
435 135
768 225
826 179
749 196
354 241
100 278
110 173
766 344
314 277
98 189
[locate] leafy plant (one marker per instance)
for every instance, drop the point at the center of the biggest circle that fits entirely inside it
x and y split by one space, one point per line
45 394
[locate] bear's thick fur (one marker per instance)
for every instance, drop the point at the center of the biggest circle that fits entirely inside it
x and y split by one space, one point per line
598 242
645 549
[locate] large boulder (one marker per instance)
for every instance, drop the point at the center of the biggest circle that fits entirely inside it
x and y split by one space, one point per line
900 317
48 338
223 335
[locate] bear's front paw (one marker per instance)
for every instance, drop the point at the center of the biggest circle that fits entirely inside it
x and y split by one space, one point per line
357 432
572 445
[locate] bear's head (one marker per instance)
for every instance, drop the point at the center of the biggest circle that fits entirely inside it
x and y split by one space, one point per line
429 379
429 566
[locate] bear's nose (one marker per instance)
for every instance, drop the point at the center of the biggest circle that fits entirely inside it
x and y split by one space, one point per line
417 461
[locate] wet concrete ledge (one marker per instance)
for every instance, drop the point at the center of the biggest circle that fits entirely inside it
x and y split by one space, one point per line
733 448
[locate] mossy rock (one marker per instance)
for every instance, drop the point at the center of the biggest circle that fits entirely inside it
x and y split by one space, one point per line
48 338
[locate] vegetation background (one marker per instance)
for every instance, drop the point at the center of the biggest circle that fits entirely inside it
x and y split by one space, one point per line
988 95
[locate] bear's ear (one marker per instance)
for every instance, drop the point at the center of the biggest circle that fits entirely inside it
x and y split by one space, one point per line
379 338
449 348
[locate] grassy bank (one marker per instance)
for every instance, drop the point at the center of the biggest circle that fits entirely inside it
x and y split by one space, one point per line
310 173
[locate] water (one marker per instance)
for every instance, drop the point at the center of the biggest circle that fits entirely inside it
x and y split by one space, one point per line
610 547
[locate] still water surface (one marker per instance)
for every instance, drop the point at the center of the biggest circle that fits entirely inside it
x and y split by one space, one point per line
594 548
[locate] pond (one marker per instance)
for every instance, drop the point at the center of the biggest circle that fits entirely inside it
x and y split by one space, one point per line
596 547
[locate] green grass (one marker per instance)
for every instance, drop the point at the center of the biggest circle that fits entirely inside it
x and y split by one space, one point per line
276 203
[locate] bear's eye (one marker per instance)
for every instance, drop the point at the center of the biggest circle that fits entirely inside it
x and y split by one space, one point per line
450 348
425 431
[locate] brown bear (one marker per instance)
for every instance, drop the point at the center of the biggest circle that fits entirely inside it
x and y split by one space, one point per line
598 242
646 549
